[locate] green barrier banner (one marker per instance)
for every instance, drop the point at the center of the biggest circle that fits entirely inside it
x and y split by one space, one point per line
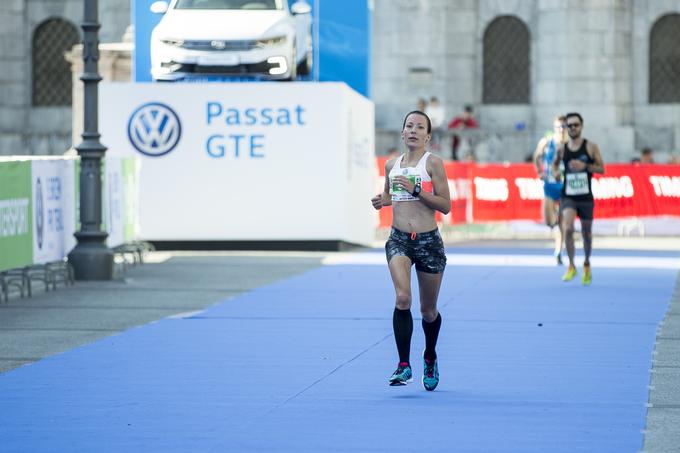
120 196
16 218
131 167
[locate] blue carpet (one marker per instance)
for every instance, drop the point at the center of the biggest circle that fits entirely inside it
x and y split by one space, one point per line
528 364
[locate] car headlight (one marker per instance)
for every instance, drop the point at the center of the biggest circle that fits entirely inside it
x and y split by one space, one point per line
276 41
173 42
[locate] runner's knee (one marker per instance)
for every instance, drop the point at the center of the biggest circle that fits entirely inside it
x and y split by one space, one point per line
429 314
403 300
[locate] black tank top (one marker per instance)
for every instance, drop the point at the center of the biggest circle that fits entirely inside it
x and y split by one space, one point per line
577 184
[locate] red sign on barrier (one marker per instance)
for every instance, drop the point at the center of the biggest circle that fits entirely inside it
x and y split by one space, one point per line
502 192
499 192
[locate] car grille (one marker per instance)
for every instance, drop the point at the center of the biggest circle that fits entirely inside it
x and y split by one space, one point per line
221 46
241 69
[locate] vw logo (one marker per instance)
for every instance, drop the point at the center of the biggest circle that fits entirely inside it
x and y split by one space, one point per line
154 129
219 45
39 214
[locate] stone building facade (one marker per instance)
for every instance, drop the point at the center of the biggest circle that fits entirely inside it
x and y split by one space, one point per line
590 56
517 62
35 117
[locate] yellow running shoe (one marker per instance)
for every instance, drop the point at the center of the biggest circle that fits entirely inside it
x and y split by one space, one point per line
570 274
587 276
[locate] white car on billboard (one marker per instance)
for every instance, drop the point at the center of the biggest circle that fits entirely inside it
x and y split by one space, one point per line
262 39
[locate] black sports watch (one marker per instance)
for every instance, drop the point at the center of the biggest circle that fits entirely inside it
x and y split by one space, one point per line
416 190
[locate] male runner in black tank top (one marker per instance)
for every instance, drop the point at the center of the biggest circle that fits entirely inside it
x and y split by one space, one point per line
581 159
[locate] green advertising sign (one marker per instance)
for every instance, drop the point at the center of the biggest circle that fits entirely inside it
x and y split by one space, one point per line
130 187
16 220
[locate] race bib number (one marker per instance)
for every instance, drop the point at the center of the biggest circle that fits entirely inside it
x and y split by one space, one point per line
399 194
577 183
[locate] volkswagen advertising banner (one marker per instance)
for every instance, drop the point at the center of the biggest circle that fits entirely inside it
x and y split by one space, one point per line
246 161
233 40
54 219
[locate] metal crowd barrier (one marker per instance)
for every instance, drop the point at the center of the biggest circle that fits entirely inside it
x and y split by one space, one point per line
131 254
21 281
50 274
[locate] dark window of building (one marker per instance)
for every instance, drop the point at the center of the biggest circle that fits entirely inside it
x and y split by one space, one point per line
51 72
664 60
506 62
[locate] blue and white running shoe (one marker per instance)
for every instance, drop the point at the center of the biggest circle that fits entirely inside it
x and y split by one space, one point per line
430 374
402 375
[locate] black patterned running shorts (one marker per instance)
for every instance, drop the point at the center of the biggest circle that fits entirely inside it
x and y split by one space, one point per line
426 250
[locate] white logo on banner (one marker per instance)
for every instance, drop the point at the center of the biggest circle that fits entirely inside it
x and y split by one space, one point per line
530 188
606 188
666 186
459 189
13 217
154 129
491 189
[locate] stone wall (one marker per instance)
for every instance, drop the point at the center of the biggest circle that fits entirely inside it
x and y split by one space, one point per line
13 51
587 56
656 125
25 129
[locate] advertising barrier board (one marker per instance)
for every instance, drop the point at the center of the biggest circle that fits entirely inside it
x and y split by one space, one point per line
39 200
506 192
247 161
15 214
53 211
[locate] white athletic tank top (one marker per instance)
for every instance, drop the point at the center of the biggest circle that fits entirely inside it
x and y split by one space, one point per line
417 174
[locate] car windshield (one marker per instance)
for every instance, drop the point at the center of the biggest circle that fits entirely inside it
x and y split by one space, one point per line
229 4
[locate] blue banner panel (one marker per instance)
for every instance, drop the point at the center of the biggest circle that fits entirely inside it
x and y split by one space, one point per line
345 43
143 21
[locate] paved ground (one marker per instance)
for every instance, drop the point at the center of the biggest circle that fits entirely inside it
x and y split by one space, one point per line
57 321
315 331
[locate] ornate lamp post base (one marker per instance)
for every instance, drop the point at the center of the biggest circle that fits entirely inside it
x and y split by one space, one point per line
91 261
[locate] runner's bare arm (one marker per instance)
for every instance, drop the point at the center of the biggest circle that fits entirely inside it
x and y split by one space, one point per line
384 198
440 199
556 162
538 153
598 165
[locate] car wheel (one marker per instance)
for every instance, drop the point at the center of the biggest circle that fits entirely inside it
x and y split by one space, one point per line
305 66
293 66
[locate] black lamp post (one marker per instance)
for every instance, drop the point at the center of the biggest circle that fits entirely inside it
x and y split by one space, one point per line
91 259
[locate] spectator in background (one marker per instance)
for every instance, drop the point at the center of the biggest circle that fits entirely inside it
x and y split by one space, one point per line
673 159
437 115
464 121
421 105
647 156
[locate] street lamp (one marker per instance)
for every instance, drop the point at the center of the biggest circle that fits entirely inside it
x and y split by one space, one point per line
90 258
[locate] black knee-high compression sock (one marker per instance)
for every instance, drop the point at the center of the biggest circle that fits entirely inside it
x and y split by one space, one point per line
402 322
431 330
